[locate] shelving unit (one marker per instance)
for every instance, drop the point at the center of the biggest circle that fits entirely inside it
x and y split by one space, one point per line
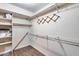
5 41
6 24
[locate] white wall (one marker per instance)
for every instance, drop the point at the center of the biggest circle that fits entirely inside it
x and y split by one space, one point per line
66 28
19 31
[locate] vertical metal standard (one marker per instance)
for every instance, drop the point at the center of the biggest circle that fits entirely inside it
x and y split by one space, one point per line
61 46
57 8
30 37
47 42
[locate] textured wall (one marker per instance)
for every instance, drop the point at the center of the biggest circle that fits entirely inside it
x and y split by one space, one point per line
66 28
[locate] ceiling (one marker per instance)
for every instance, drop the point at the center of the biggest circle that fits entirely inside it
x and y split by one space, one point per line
33 7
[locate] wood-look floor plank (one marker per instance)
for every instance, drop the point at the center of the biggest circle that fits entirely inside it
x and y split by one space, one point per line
27 51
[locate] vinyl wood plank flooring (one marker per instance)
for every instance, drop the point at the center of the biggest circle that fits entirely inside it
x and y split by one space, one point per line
27 51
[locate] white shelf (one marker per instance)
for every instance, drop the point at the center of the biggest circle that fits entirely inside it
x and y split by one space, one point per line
18 24
5 24
6 43
5 27
5 19
5 37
